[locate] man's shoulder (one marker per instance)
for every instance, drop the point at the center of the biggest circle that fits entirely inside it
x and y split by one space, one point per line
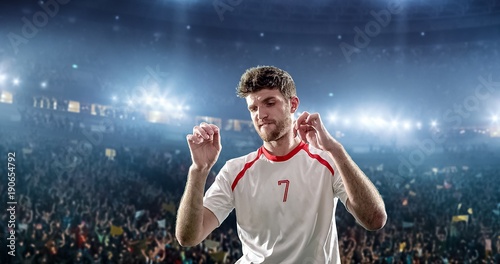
319 157
311 153
234 166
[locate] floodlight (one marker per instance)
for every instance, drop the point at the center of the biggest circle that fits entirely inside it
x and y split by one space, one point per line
379 121
406 125
149 100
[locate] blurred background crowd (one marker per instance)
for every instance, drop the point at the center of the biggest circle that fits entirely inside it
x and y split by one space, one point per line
78 203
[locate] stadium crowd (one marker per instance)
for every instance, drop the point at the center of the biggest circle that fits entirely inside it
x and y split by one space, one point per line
123 213
77 204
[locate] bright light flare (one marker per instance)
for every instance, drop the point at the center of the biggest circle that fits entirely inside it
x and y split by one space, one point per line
419 125
149 100
347 121
364 120
406 125
379 121
16 81
168 106
332 118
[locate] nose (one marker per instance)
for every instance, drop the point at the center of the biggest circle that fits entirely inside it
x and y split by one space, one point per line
261 114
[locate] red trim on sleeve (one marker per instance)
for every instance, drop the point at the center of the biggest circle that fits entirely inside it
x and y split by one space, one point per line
320 159
245 168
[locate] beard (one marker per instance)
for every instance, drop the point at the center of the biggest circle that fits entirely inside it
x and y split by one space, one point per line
280 129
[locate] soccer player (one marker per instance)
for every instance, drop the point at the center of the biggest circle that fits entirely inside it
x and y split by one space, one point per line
286 192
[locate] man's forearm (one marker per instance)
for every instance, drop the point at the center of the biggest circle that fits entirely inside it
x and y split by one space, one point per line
189 226
364 202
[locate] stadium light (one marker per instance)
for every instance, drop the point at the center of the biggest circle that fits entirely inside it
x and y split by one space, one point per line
406 125
394 124
16 81
434 123
379 121
169 106
114 98
364 120
3 77
43 84
419 125
347 121
332 118
494 118
149 100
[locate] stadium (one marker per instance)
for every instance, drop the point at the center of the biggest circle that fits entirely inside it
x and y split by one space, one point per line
97 98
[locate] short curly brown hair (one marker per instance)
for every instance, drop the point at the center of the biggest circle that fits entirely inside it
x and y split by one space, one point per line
266 77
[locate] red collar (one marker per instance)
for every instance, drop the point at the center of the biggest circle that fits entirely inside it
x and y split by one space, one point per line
288 156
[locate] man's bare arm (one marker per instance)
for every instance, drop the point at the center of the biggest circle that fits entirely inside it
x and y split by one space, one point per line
364 202
194 221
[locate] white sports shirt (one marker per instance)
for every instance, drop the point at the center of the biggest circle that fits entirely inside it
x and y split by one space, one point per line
285 205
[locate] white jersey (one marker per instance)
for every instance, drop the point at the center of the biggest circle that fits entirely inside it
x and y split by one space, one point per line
285 206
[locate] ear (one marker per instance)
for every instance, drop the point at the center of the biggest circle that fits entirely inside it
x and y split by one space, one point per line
294 104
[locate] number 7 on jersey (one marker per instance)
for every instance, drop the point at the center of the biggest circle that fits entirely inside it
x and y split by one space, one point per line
287 183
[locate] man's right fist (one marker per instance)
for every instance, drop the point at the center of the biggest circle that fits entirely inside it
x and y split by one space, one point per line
203 132
204 145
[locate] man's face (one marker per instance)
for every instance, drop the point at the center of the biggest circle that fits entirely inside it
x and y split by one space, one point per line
270 113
